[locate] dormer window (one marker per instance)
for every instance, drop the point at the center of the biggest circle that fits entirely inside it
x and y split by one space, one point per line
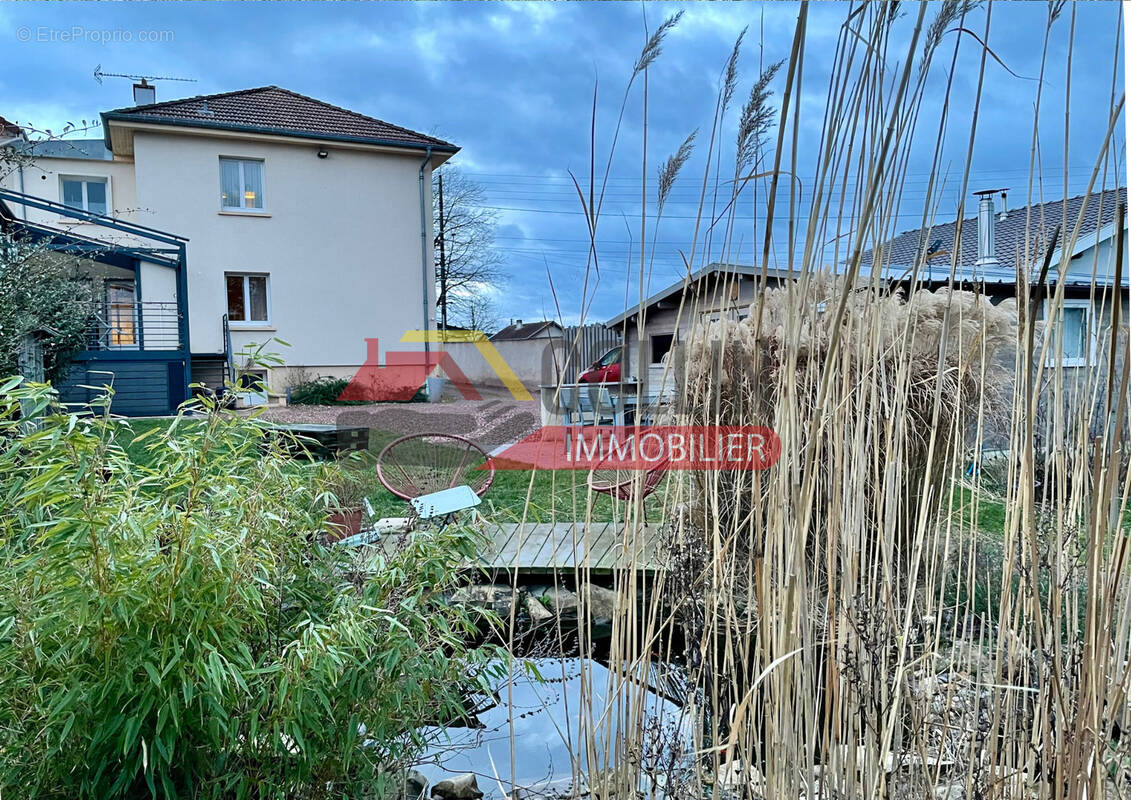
85 194
241 184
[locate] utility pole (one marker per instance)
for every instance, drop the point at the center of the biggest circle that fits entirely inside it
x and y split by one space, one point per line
443 262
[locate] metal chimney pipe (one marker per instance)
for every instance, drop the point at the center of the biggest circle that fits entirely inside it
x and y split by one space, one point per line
986 227
144 93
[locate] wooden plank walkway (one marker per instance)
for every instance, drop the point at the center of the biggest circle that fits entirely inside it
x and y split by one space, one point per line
565 546
543 548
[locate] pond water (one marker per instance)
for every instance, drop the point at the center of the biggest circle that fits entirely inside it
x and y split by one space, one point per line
544 721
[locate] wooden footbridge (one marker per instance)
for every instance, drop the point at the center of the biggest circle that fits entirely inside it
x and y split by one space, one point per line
544 548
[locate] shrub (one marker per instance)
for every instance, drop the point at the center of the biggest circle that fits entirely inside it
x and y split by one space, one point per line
168 630
41 290
321 391
324 391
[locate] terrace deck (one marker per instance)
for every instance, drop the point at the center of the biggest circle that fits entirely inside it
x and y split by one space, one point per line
544 548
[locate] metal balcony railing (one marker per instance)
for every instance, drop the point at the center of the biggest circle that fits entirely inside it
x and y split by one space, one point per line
146 325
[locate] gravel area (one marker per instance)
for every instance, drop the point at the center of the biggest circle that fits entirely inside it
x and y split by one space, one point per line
490 422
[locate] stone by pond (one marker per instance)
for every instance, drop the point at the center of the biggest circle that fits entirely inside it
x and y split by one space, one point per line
543 721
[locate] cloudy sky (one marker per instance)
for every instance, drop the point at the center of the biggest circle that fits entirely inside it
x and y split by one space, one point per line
513 85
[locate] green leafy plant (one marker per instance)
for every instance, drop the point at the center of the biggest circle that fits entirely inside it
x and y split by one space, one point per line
345 484
324 391
171 630
321 391
42 291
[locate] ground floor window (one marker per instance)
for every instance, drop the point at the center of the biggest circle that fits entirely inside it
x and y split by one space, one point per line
248 297
251 387
661 346
1072 335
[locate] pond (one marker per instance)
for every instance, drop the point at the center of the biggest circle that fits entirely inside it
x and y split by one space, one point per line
546 711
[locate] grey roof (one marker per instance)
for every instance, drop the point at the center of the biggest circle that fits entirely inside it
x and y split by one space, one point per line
526 330
85 149
694 277
1034 224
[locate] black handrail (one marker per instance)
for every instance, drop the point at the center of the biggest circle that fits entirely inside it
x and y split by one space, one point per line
101 219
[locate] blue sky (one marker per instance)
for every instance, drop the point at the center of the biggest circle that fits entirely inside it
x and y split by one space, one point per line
513 84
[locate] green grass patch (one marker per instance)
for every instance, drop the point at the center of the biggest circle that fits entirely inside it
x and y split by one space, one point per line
533 495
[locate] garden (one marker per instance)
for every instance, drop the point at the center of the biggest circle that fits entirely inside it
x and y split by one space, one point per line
925 596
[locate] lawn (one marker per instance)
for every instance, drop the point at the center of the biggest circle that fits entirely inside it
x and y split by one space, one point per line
554 496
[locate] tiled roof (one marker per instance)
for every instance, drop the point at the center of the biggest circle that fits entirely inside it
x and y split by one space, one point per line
525 330
1038 221
269 109
9 130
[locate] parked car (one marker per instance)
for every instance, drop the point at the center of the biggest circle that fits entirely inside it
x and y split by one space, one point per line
605 369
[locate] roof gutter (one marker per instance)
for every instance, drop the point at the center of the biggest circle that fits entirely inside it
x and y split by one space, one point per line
425 268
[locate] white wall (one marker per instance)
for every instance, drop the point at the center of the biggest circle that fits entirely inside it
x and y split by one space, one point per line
339 237
525 358
42 180
157 284
1098 260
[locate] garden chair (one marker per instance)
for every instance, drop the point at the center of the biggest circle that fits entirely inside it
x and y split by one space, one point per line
424 463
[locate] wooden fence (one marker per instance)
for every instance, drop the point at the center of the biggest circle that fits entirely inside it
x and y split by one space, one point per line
584 344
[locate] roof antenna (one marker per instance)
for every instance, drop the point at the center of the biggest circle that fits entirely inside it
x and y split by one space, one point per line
144 91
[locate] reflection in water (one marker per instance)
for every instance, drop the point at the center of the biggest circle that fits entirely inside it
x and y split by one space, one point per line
544 722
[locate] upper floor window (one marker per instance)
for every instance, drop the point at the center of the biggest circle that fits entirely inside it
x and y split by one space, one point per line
247 297
241 184
85 194
1073 336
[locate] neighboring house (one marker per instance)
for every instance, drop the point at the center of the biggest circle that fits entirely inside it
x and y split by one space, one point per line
999 250
534 352
283 217
991 256
708 294
519 331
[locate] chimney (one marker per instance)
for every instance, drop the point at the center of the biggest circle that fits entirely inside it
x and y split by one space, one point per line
986 256
144 93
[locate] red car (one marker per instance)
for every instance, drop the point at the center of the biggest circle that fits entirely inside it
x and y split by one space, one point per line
605 369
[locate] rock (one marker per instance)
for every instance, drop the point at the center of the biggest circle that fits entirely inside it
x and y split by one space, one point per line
461 787
524 793
415 786
951 791
559 601
538 613
601 604
495 596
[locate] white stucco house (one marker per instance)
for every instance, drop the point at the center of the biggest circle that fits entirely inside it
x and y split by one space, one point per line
236 218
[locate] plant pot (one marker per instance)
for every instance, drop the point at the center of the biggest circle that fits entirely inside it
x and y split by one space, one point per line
343 522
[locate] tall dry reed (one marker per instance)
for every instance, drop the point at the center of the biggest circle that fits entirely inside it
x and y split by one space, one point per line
878 615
